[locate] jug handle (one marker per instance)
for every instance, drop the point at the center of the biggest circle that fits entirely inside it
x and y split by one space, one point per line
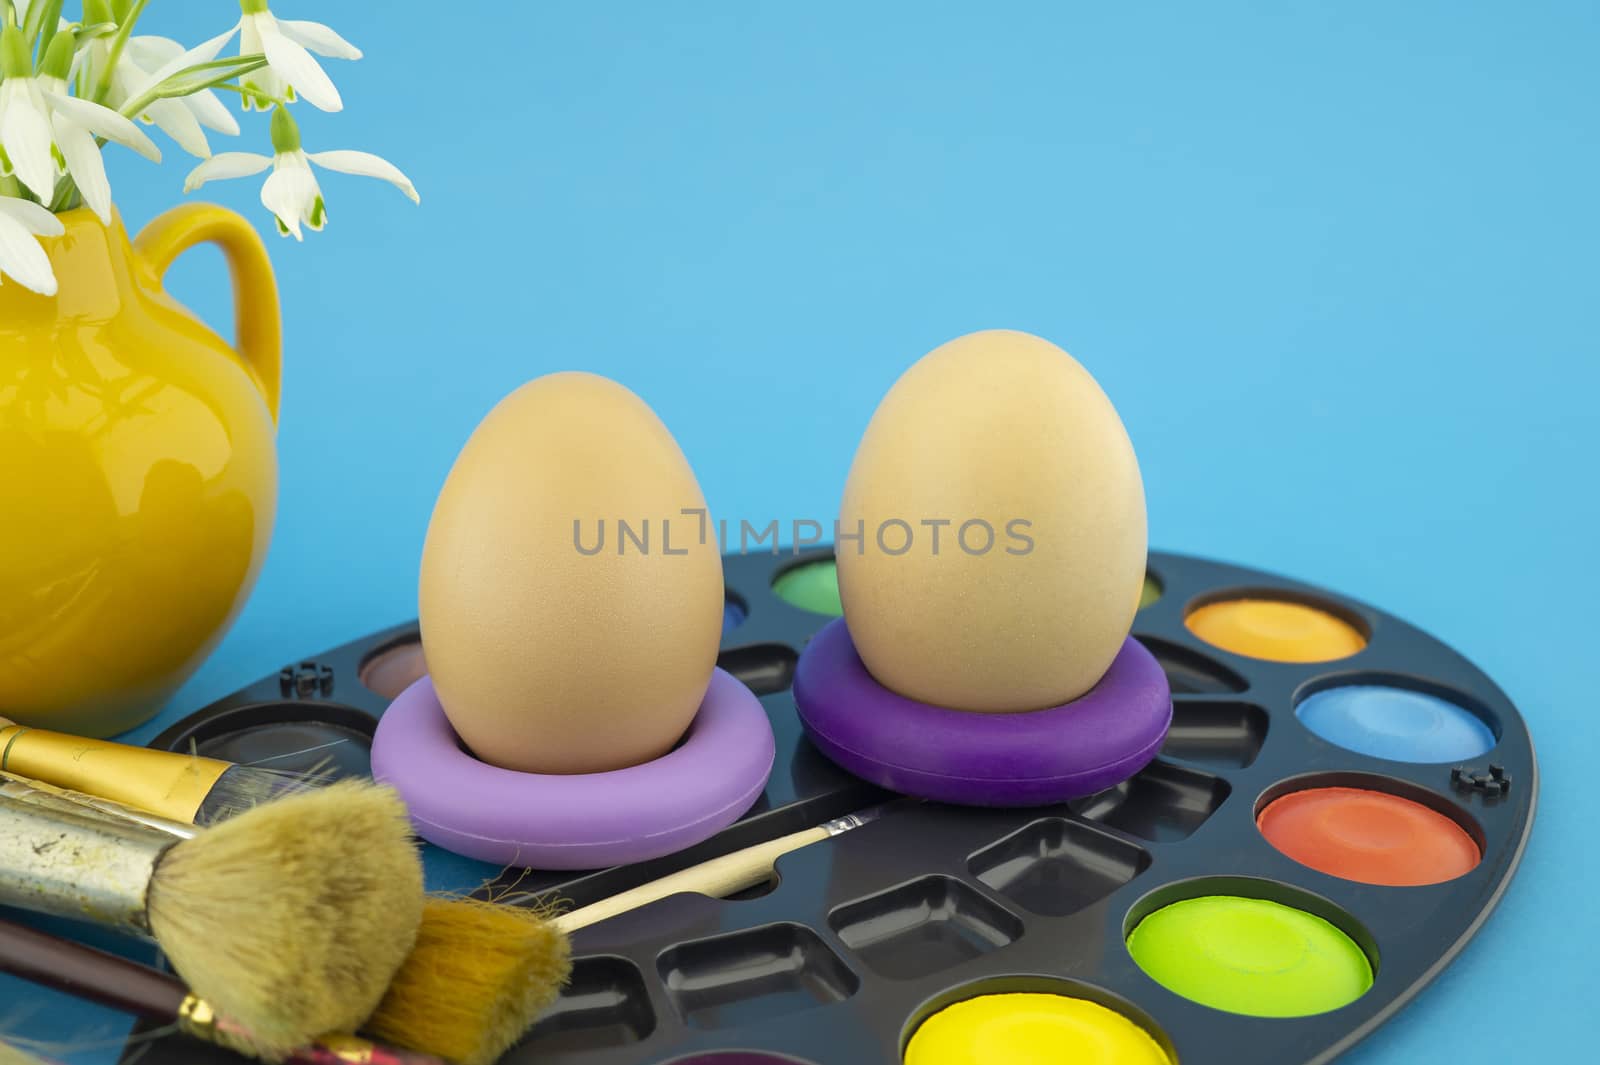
255 291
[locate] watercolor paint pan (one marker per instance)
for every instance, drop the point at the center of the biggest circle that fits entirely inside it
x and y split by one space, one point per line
1104 899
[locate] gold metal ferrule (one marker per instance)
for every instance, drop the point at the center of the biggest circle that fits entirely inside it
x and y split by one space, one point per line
197 1018
162 782
351 1048
42 794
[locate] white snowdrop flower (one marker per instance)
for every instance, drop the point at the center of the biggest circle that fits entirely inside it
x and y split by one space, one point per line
148 60
291 69
22 258
24 119
76 122
291 191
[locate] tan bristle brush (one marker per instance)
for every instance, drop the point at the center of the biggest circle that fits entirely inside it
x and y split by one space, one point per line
480 975
477 977
183 787
291 918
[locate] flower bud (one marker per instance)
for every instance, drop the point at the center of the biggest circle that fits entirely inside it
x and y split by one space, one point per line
58 57
285 131
14 59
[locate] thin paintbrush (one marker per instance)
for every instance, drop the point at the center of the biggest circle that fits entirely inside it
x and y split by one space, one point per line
182 787
724 876
291 918
96 976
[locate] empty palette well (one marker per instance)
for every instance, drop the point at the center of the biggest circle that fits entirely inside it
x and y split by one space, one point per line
323 739
1190 672
764 667
929 924
746 977
1162 803
319 749
603 1005
1055 867
394 667
1227 735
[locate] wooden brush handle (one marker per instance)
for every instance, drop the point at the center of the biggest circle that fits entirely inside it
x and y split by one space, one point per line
87 973
718 878
97 976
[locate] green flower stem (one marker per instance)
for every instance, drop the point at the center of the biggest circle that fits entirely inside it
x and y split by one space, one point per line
102 85
252 7
227 70
252 93
42 22
96 23
66 197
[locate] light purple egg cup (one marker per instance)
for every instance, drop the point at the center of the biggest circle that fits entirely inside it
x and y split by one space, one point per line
1034 758
579 820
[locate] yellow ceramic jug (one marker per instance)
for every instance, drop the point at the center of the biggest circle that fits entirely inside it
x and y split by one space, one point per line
138 477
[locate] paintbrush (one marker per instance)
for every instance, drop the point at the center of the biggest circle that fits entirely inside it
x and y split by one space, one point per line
463 1032
291 918
477 977
96 976
42 794
181 787
723 876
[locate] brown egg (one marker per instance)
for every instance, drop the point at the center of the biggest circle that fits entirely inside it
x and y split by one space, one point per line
1002 522
570 610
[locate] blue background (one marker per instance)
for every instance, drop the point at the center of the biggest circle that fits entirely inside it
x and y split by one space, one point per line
1335 264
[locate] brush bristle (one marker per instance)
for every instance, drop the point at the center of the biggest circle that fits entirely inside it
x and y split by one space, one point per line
292 917
478 976
244 787
15 1055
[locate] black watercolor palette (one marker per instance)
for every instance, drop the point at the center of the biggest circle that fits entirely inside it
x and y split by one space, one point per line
867 934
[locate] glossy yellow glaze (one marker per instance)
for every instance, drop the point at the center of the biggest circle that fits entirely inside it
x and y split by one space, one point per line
138 476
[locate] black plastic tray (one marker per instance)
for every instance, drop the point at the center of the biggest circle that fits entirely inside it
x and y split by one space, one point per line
868 933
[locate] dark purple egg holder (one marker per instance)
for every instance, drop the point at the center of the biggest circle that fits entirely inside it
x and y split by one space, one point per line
1035 758
578 820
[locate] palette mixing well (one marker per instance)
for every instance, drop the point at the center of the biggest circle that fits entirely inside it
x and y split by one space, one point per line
1401 784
